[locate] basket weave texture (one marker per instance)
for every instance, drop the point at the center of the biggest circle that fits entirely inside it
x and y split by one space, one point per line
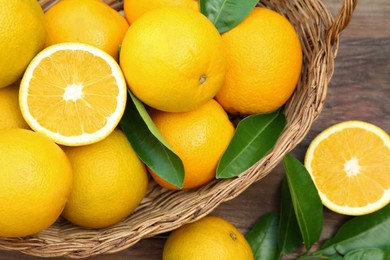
163 210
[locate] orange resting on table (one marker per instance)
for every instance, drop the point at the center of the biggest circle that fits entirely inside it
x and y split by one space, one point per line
350 165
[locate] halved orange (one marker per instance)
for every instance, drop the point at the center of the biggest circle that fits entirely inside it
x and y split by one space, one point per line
73 93
350 165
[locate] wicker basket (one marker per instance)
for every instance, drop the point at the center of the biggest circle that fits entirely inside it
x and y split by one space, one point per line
163 210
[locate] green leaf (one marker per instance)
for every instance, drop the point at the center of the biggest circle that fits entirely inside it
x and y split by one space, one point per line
322 257
254 137
306 201
148 143
226 14
368 253
289 234
263 237
367 231
331 257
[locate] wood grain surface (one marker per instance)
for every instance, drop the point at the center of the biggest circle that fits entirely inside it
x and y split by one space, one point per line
360 89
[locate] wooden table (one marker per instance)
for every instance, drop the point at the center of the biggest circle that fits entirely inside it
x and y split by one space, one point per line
360 89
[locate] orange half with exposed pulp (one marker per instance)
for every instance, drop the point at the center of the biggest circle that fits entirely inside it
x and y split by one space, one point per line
73 93
350 165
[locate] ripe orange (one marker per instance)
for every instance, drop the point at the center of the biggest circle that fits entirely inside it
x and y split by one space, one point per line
198 137
86 21
208 238
73 93
264 60
349 163
173 59
109 182
11 116
22 34
36 180
134 9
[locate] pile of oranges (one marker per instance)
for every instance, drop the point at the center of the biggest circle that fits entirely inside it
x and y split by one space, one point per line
66 76
64 81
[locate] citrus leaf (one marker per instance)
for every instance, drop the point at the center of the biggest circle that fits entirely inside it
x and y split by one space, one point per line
289 234
254 137
331 257
263 237
305 199
148 143
226 14
323 257
367 231
368 253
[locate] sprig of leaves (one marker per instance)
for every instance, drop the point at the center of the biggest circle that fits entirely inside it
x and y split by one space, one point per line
364 232
301 221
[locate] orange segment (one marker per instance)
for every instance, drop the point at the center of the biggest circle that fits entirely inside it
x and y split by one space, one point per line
73 93
350 166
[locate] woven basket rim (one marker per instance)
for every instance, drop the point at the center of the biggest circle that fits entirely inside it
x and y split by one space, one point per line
321 38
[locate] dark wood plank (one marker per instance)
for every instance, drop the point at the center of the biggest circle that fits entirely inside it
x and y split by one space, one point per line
371 19
360 89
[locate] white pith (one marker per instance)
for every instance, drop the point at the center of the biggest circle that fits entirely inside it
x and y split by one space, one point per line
352 167
73 92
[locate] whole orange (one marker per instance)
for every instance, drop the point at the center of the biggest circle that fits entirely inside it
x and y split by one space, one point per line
173 59
134 8
86 21
35 180
211 237
109 182
349 163
198 137
22 34
264 60
11 116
